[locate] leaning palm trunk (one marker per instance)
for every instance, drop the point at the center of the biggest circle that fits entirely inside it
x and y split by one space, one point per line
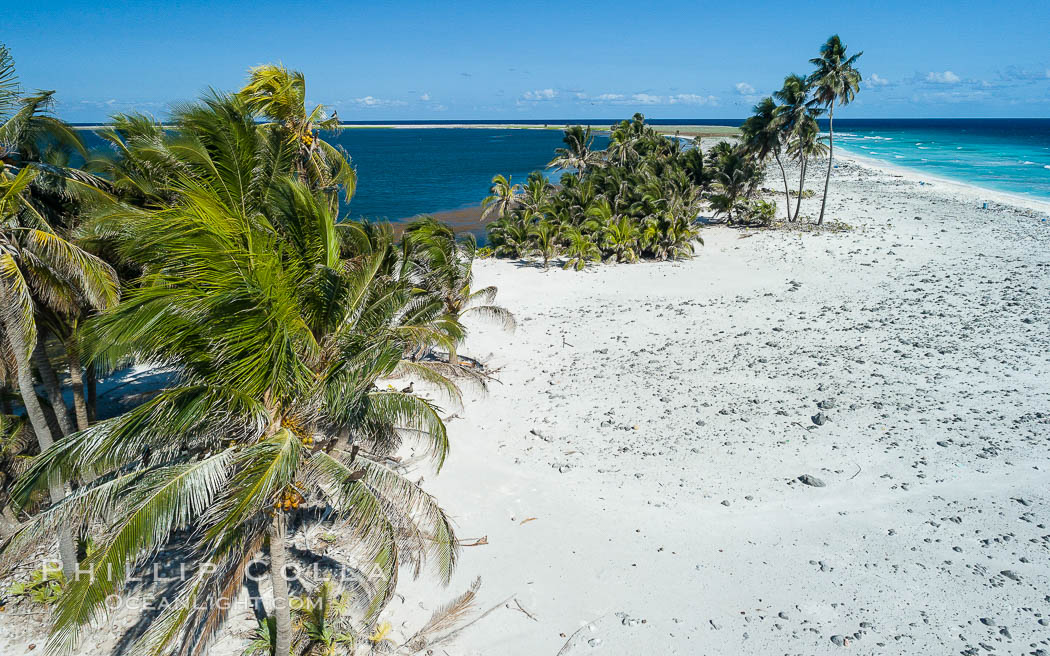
54 389
453 353
281 600
831 149
66 547
787 194
801 183
92 392
80 408
76 381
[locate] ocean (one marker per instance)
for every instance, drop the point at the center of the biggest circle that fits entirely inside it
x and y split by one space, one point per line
1011 155
405 172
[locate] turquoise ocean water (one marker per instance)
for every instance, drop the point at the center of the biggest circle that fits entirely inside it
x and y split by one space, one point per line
1010 155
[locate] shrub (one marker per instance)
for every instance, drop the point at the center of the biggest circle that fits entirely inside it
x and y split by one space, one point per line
762 212
43 587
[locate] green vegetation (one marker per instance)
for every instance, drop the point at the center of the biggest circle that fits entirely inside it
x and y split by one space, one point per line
641 197
282 327
790 129
638 199
43 588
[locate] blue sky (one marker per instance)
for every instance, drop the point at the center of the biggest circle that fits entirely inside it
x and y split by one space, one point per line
569 59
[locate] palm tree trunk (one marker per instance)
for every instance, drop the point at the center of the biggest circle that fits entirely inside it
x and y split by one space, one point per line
76 379
453 355
831 152
801 183
52 386
35 412
281 600
92 392
787 194
48 376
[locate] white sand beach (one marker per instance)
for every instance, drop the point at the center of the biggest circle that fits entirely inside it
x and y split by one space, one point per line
635 471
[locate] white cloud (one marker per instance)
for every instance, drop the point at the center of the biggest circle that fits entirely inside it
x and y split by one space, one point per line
372 101
609 97
692 99
744 89
647 99
425 97
539 95
947 77
877 80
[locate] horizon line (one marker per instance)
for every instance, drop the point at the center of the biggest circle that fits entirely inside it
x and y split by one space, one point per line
579 121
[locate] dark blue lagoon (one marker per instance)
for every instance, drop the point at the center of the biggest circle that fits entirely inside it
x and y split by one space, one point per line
407 171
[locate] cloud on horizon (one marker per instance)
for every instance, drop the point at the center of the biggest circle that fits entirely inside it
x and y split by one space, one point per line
946 77
373 102
539 95
645 98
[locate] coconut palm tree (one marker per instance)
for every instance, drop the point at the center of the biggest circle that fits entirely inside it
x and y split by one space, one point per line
835 81
763 137
580 249
275 411
279 94
536 194
503 197
620 240
794 116
16 438
804 146
9 87
578 153
278 333
38 268
546 241
736 178
143 164
509 236
448 267
40 271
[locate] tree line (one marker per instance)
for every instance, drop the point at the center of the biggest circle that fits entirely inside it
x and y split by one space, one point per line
640 198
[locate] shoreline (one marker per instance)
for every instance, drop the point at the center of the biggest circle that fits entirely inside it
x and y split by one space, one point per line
468 219
975 191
